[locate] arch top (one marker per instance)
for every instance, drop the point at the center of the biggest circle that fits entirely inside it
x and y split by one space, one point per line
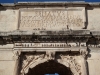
31 61
50 67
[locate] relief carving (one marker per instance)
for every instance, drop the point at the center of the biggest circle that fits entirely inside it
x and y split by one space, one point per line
50 55
83 52
75 67
71 62
16 54
29 61
33 60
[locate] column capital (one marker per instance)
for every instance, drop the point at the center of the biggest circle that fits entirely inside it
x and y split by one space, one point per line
16 54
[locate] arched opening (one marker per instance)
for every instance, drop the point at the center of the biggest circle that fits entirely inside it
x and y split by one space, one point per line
50 67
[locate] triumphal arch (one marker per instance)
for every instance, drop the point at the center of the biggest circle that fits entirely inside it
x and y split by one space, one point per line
38 38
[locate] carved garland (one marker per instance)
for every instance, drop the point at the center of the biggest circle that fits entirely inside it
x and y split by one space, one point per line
72 63
33 60
69 61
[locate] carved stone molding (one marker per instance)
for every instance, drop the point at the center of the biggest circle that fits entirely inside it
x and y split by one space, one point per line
16 54
32 60
83 52
50 55
73 62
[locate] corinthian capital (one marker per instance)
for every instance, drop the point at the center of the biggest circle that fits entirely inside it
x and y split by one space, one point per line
83 52
16 54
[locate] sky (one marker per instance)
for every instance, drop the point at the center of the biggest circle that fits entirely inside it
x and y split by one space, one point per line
12 1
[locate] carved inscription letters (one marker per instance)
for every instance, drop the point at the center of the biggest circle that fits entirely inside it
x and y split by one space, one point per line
48 19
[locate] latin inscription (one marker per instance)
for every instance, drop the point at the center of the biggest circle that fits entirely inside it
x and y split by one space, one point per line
41 45
49 19
47 45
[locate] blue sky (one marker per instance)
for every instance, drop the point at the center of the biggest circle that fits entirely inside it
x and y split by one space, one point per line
12 1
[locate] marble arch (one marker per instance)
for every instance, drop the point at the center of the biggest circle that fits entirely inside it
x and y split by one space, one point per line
50 29
74 63
50 67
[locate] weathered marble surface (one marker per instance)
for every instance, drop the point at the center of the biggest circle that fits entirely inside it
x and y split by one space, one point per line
93 19
8 20
52 18
7 67
48 18
94 62
8 62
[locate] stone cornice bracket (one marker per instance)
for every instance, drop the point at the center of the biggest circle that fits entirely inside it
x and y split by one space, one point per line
50 55
17 54
83 52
